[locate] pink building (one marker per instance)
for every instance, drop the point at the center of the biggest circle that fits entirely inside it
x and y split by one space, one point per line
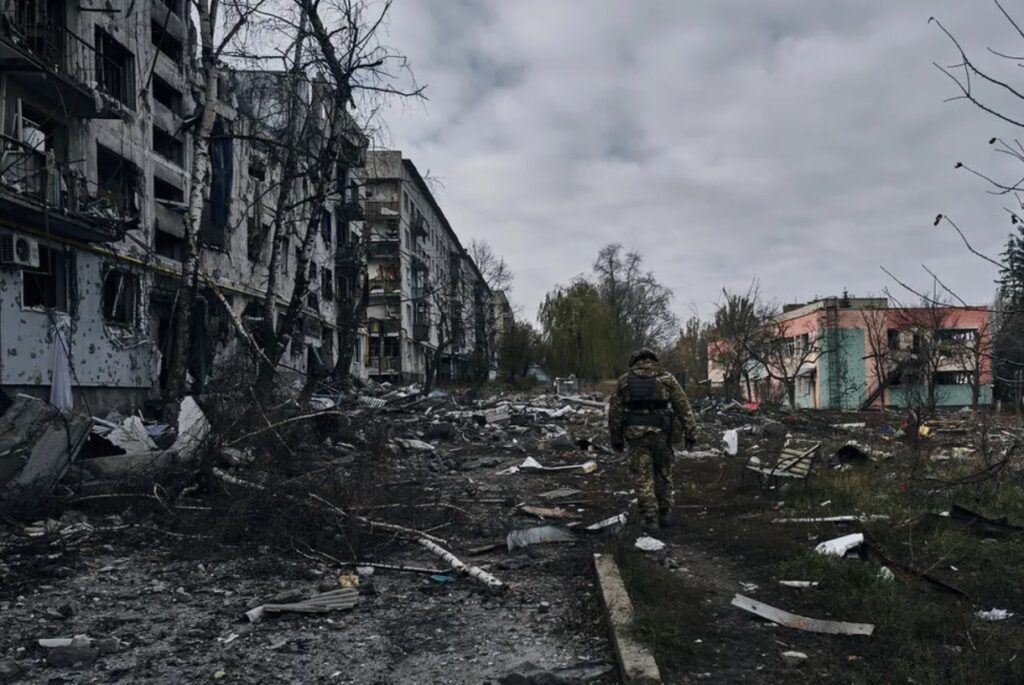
850 353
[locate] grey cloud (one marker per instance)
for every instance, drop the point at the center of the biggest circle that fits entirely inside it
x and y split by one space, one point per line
803 143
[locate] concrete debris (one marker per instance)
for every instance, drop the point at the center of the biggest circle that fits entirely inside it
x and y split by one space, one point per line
537 536
798 583
609 524
497 415
794 659
646 543
335 600
838 547
65 652
560 493
412 445
886 574
789 620
994 615
37 444
548 512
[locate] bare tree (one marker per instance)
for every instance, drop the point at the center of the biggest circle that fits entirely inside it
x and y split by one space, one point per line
640 305
219 25
782 353
735 324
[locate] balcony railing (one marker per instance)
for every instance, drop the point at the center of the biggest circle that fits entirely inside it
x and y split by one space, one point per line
38 184
43 45
383 249
385 287
385 326
381 210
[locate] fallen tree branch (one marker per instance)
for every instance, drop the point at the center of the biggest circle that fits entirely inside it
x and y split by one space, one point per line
458 566
294 419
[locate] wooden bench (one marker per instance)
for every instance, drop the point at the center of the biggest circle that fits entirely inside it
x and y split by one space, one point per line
795 462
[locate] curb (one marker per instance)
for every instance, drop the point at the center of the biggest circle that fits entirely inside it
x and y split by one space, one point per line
636 663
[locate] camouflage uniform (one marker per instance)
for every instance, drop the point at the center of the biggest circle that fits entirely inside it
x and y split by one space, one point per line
648 446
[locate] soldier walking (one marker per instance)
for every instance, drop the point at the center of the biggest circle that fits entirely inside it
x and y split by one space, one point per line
647 415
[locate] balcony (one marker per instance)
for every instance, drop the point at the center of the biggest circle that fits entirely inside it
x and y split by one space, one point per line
351 204
41 193
381 250
419 292
419 262
384 288
382 211
39 51
386 327
420 331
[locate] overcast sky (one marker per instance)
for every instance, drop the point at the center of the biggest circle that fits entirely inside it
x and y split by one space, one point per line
801 142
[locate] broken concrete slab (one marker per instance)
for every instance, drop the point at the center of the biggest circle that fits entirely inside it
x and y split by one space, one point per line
37 443
131 466
412 445
789 620
838 547
537 536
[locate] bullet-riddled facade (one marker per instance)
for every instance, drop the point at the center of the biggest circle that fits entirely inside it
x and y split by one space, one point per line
94 176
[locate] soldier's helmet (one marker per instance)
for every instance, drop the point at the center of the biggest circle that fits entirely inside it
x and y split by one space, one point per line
642 353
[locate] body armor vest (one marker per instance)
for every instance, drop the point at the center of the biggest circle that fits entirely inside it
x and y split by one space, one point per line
643 408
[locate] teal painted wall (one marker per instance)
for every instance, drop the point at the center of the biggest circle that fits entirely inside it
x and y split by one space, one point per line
805 400
850 358
945 395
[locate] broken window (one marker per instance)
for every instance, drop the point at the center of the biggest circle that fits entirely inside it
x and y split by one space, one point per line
166 94
47 286
952 378
326 227
117 181
893 336
327 284
115 69
217 212
168 146
169 245
165 42
258 234
120 297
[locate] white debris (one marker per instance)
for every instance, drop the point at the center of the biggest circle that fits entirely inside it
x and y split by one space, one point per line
794 658
132 436
731 442
415 445
798 583
193 429
838 547
885 573
994 615
648 544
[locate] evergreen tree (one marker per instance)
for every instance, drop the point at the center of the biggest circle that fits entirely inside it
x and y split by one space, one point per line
1008 340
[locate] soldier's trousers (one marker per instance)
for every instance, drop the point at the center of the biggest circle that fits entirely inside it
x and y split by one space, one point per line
650 458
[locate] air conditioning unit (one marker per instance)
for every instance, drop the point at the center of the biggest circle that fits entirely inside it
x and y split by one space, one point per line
19 251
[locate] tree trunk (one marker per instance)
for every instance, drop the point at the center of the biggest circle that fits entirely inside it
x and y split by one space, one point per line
200 169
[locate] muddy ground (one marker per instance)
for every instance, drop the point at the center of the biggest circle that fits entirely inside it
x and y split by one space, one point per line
174 586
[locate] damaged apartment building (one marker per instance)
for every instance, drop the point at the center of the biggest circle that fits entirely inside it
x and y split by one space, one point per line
94 176
860 353
428 302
